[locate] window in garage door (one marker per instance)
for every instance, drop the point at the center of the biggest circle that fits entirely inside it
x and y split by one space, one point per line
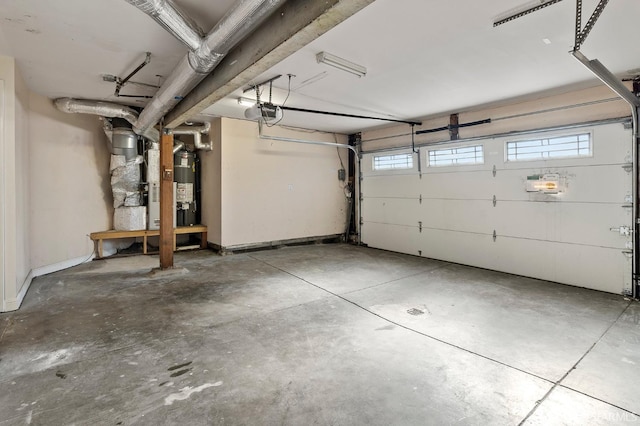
456 156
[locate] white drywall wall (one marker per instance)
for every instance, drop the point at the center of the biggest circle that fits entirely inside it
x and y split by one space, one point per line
275 190
579 106
14 186
22 187
210 176
70 193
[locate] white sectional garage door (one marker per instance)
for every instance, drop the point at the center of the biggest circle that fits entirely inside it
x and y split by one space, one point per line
482 215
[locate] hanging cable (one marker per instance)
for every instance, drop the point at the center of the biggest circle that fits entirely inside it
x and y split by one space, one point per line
283 103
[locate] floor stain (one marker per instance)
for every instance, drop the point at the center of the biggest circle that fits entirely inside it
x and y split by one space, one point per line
179 366
61 375
180 373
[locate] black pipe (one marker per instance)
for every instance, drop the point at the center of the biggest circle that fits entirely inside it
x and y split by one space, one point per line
339 114
457 126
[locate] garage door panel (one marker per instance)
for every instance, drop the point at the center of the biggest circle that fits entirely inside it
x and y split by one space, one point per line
465 185
401 239
582 184
563 237
575 223
564 263
458 247
403 186
398 211
457 215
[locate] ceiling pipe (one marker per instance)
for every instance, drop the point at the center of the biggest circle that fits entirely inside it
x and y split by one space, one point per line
196 132
104 109
261 135
172 19
244 17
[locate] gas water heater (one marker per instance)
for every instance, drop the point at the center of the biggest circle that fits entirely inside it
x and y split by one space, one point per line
186 189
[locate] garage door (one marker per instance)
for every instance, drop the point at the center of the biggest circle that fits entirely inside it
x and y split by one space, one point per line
554 205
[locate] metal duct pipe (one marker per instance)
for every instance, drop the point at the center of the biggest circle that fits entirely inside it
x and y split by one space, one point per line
104 109
196 132
172 19
108 128
177 146
197 64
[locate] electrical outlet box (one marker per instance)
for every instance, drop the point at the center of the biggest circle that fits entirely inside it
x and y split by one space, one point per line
342 175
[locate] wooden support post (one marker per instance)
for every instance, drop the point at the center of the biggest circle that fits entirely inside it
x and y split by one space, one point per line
166 200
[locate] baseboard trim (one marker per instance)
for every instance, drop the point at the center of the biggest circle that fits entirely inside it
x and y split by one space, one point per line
266 245
14 304
65 264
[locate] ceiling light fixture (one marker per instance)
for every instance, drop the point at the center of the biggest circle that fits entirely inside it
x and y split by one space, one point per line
342 64
246 102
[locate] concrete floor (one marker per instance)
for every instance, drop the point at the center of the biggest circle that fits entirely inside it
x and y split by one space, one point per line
324 334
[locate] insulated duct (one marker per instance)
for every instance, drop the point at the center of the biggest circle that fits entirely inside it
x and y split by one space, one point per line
244 16
104 109
196 132
173 19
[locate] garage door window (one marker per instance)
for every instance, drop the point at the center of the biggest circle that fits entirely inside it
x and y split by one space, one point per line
456 156
550 148
393 162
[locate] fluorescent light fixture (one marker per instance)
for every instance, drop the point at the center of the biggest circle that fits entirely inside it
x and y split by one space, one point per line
246 102
342 64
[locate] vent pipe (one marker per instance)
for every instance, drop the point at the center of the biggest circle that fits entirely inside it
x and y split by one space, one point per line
243 18
196 132
205 54
104 109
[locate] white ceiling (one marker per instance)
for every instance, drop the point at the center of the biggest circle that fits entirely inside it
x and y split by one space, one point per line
424 57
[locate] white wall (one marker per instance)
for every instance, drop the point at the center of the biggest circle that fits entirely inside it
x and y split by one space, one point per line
70 193
14 186
270 190
22 186
579 106
211 191
54 186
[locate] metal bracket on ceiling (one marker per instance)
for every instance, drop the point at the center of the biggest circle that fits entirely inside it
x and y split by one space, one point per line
525 12
121 82
582 33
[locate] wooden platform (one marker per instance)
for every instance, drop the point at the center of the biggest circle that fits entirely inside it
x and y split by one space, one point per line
99 237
